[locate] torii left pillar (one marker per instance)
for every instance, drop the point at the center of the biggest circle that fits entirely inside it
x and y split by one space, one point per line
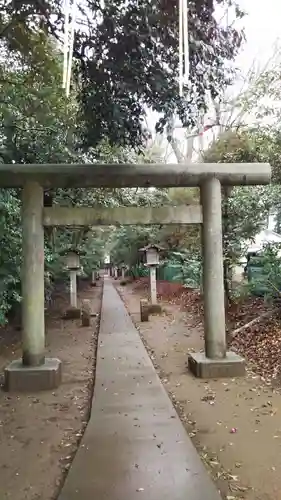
33 372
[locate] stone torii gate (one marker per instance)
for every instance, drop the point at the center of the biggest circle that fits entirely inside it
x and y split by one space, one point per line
34 371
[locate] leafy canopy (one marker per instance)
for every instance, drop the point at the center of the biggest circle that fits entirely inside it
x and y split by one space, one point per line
126 57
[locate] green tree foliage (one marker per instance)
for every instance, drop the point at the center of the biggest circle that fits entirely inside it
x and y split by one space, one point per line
140 39
178 237
245 210
38 125
181 243
264 274
188 267
10 253
125 241
127 58
125 62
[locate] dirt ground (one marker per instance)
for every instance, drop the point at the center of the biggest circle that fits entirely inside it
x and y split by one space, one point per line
39 433
235 424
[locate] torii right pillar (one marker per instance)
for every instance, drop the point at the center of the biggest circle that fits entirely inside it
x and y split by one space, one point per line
216 361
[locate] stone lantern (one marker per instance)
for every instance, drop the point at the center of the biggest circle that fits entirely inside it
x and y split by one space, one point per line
152 259
115 272
72 261
151 255
123 269
72 264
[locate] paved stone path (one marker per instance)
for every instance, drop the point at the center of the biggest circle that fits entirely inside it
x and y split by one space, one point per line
135 446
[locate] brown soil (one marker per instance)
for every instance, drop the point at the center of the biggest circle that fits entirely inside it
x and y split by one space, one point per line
39 433
235 424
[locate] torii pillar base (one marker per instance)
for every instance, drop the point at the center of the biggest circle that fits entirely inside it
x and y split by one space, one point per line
21 378
231 366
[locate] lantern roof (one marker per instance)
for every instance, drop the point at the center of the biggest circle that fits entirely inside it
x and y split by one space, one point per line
152 246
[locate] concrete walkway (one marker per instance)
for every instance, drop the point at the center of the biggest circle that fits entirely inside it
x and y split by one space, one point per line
135 446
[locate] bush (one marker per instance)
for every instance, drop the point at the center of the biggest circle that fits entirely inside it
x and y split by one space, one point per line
264 273
191 268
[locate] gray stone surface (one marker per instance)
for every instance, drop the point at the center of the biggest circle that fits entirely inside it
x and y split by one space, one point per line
214 308
144 310
133 175
135 445
33 301
230 366
107 216
20 378
86 312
